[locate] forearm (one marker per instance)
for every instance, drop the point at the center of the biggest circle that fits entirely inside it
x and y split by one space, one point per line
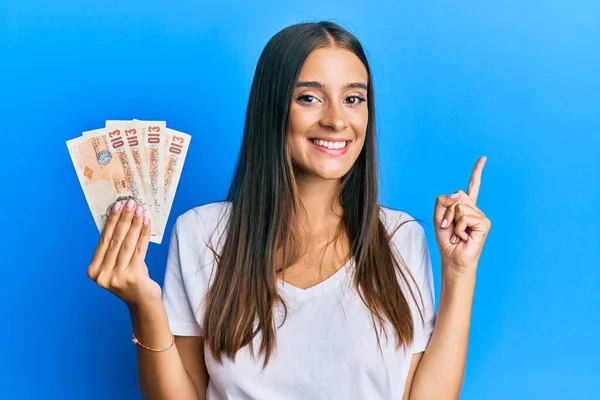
441 370
161 375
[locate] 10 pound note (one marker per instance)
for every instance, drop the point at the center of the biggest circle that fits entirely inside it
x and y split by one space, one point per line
176 148
106 173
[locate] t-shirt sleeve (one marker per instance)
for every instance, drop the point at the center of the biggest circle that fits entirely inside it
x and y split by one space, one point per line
411 242
180 311
423 274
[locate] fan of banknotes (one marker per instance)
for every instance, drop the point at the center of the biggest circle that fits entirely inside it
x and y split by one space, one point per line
139 160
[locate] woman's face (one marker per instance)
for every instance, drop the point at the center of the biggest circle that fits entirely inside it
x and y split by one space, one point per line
328 113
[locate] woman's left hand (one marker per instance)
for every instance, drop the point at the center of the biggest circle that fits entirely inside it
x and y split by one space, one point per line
461 228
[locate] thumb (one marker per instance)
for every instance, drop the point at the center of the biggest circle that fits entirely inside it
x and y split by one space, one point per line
442 204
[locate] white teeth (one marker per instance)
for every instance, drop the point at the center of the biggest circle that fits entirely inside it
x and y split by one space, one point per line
330 145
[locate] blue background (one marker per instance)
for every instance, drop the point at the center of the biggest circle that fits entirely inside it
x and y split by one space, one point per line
517 81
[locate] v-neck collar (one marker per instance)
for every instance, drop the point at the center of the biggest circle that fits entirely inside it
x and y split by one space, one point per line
321 287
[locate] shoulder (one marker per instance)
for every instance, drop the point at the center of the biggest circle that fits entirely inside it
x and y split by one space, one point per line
195 240
190 264
198 233
400 224
202 222
206 214
407 236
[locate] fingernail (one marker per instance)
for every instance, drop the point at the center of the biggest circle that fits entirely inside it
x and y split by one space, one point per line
455 195
146 220
117 206
138 210
444 223
453 239
129 204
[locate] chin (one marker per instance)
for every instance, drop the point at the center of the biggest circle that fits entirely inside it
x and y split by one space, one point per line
329 174
324 170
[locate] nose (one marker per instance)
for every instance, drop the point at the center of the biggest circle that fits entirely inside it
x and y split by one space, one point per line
334 117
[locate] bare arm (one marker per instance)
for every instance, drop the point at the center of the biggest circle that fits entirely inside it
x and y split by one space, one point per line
414 363
191 350
171 374
440 372
118 266
461 230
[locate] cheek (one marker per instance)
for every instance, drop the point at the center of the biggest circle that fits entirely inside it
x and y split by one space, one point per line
296 146
359 126
300 123
301 119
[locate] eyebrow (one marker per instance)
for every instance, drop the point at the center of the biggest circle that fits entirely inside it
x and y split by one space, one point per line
319 85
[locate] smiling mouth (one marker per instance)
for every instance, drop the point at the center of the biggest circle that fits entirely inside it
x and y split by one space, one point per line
330 144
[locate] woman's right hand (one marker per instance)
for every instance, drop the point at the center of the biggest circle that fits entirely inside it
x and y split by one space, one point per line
118 263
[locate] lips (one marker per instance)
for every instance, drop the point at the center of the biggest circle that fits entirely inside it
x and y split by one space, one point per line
333 147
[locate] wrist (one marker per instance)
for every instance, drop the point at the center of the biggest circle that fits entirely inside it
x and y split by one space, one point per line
147 314
458 280
459 291
457 274
150 325
146 307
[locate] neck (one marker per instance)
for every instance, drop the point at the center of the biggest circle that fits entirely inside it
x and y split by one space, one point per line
320 200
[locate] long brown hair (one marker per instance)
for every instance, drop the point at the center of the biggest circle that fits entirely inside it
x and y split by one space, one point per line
263 217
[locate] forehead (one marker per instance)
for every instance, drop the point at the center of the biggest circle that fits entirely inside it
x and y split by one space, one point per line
333 66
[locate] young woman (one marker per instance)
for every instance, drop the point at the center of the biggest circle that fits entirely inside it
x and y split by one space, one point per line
300 285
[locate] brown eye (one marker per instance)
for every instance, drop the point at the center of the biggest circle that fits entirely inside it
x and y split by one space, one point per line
306 99
354 100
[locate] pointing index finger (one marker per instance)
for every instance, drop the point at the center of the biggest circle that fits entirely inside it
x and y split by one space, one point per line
475 183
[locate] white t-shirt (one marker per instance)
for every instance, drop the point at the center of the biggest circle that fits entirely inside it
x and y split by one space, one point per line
327 347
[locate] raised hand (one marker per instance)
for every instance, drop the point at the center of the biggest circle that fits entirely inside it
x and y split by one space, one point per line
461 228
118 262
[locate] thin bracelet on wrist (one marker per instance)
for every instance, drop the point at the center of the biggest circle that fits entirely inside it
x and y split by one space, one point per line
136 341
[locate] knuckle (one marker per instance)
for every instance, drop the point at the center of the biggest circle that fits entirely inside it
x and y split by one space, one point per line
131 280
104 239
127 246
103 281
113 217
144 238
91 272
112 220
116 282
114 243
443 202
141 249
137 221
